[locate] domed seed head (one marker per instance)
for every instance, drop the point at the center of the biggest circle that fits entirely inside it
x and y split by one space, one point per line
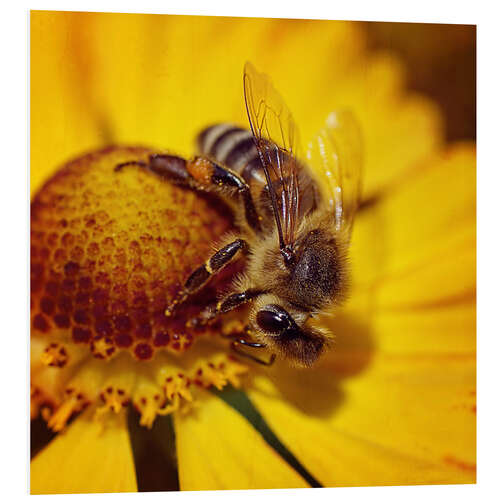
109 250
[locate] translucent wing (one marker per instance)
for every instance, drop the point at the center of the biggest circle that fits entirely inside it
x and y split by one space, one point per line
276 139
336 156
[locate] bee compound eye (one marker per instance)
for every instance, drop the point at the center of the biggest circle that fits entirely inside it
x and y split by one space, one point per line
272 321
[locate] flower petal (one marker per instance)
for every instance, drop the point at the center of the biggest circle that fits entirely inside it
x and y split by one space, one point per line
90 457
359 338
436 331
63 120
403 421
416 247
159 79
219 450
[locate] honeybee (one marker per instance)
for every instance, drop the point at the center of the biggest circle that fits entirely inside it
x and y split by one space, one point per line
294 225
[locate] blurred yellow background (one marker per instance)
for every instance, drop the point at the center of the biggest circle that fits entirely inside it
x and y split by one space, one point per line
156 80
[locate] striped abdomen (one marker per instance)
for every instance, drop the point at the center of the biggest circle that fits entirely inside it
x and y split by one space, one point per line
234 147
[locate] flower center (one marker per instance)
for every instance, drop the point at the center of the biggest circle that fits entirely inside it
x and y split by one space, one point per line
109 251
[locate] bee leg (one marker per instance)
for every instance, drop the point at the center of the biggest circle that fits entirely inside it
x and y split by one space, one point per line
141 164
202 274
204 175
167 167
235 346
223 306
211 175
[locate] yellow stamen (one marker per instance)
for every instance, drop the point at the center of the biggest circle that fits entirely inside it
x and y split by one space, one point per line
103 348
207 376
166 384
149 409
232 327
114 399
178 385
55 355
73 404
171 408
233 370
218 370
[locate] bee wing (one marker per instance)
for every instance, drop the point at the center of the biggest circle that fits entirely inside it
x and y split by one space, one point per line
276 139
336 156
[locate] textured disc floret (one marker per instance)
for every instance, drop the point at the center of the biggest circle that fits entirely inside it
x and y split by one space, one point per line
109 250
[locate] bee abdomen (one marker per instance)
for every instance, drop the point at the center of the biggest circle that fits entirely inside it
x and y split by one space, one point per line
234 147
231 146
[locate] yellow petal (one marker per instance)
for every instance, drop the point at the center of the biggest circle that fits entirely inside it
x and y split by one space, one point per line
401 421
424 405
219 450
417 246
157 80
90 457
436 331
359 337
63 122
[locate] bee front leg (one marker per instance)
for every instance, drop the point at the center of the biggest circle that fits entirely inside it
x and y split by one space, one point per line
235 346
202 274
225 305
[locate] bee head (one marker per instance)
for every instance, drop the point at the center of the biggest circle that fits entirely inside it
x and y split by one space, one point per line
284 331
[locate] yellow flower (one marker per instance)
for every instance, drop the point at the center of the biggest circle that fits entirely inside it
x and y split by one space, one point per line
392 403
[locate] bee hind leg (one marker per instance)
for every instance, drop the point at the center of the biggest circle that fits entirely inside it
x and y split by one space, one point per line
168 167
120 166
219 178
204 175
